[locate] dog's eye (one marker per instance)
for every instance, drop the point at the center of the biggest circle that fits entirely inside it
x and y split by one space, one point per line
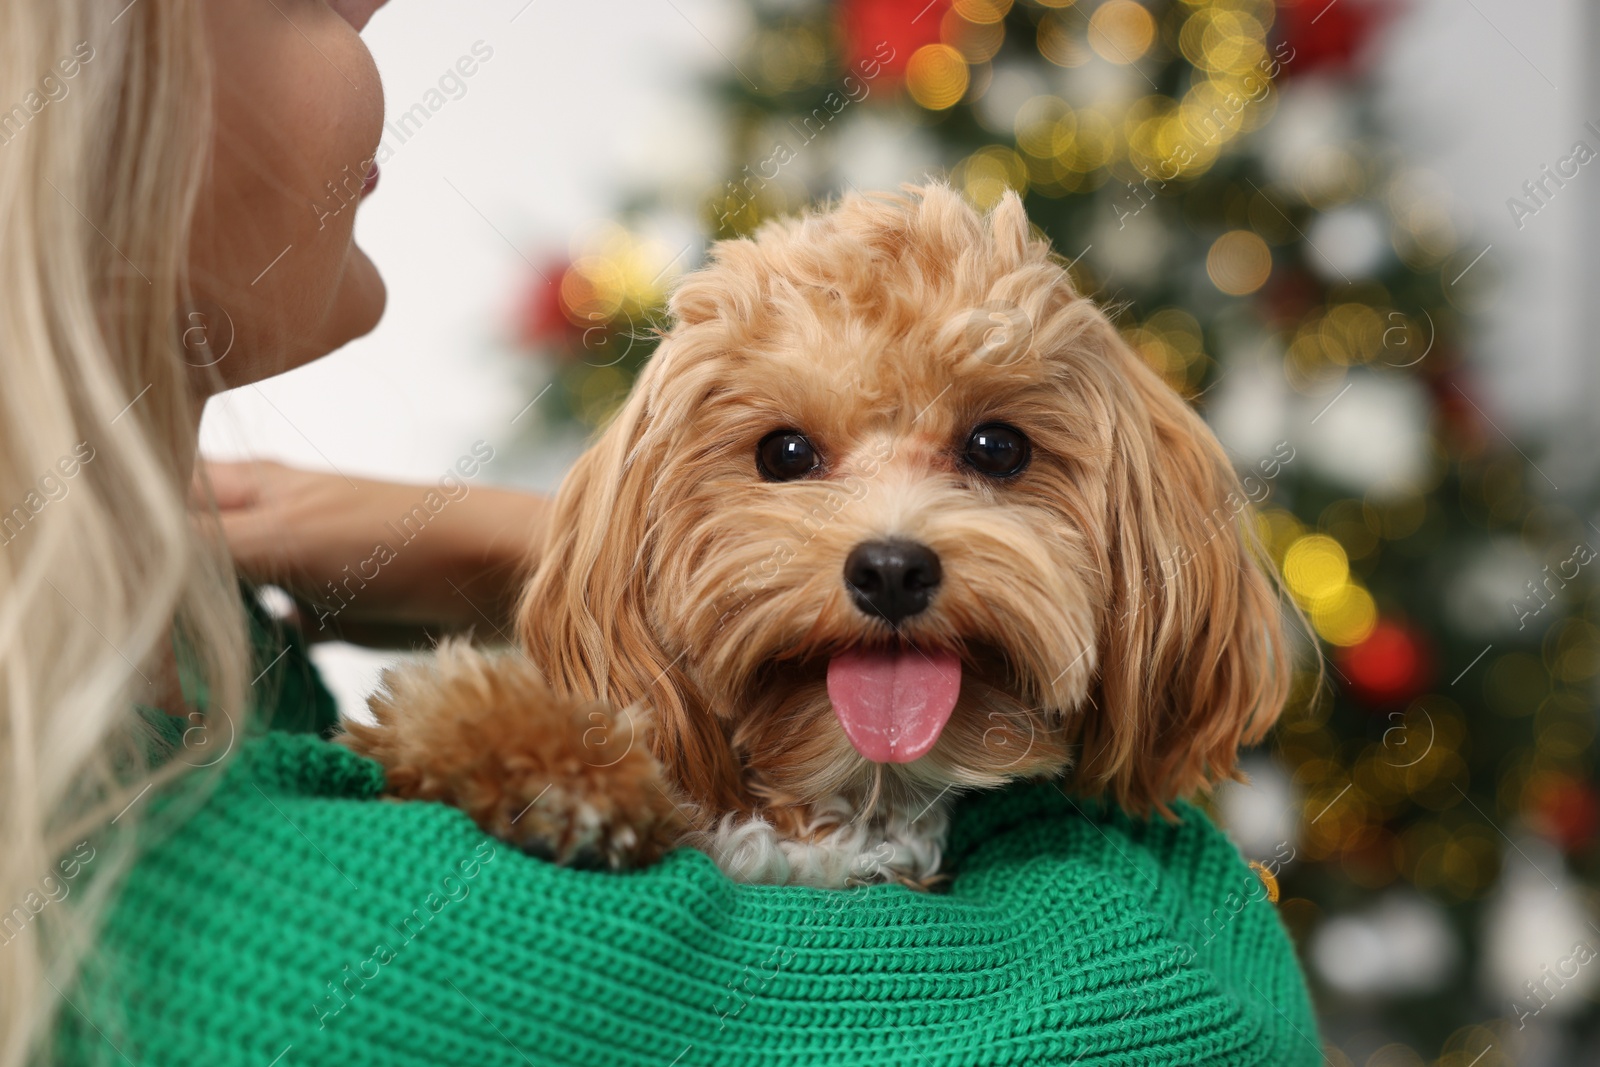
997 450
784 455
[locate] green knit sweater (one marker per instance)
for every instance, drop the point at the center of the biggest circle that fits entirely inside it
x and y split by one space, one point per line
292 918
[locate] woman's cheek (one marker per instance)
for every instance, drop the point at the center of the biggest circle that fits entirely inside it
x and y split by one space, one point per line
350 106
339 121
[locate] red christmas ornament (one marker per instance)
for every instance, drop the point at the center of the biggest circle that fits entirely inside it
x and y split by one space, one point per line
540 319
880 35
1392 666
1326 35
1567 811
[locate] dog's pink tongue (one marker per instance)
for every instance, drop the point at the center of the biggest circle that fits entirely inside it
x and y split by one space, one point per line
893 705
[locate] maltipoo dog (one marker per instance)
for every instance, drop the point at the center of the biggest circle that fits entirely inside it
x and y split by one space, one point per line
893 513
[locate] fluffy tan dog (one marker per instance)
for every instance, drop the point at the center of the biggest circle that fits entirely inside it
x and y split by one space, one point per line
893 513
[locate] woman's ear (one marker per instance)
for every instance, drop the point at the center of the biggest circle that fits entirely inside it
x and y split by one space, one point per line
1193 658
583 619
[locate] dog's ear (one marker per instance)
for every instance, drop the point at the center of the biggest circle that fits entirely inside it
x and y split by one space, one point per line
584 617
1192 657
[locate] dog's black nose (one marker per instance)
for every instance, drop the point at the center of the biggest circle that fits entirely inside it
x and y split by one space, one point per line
892 579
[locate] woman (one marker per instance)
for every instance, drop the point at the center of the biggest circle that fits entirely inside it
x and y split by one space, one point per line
131 205
192 873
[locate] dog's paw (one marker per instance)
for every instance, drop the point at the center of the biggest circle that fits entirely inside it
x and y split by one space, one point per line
570 781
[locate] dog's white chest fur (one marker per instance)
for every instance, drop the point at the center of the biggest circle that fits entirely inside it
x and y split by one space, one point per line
841 850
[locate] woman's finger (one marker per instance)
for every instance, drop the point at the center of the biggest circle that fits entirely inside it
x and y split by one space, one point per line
234 485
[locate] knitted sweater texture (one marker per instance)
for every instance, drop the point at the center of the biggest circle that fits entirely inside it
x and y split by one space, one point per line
291 917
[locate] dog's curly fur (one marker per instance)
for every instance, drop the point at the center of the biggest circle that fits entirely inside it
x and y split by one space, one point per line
486 734
1111 617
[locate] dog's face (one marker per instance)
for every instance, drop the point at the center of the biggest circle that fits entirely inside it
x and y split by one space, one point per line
893 510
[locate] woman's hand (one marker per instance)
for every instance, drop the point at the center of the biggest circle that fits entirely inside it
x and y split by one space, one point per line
380 562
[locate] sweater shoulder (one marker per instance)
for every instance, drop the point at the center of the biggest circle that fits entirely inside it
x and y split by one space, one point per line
294 907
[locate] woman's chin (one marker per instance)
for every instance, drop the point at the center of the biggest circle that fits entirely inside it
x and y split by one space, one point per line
354 312
357 307
362 298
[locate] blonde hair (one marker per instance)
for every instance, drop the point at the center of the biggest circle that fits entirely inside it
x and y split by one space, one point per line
101 568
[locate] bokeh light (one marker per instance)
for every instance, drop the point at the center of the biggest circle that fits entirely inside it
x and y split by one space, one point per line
985 175
1120 31
1346 616
936 76
983 12
1317 572
976 41
1315 566
1239 262
1061 43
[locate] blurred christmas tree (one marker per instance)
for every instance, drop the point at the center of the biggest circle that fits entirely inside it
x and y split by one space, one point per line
590 316
1214 170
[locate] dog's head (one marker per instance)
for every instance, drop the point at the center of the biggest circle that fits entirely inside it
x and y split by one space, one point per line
894 508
